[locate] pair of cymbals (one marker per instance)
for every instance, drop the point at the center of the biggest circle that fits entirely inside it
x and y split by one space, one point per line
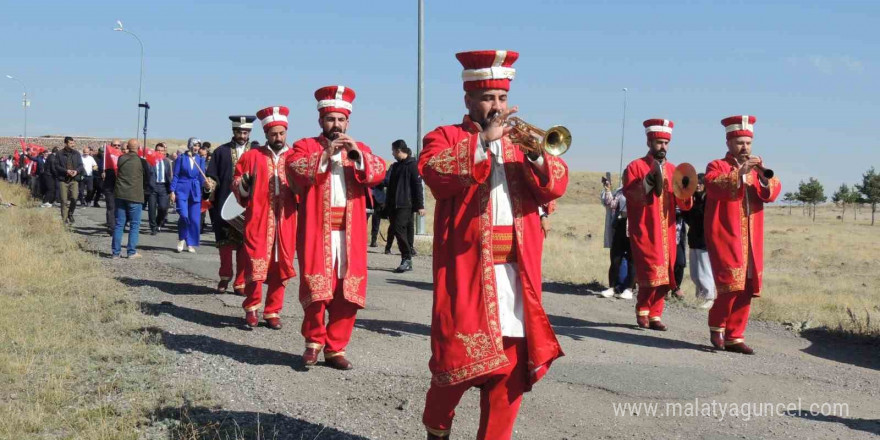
684 181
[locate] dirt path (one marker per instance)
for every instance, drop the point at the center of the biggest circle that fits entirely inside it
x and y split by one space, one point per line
255 375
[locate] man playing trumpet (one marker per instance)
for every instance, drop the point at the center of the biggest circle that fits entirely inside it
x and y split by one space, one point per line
737 187
651 202
488 327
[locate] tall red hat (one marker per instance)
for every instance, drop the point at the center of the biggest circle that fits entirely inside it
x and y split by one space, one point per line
487 69
334 99
272 116
658 129
741 125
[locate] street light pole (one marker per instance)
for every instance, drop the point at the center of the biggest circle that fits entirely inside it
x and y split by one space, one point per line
420 220
24 103
622 133
119 28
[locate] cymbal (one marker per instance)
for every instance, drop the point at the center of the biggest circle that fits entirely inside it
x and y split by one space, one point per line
684 172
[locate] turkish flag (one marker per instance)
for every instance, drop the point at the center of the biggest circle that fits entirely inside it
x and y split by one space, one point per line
111 155
152 156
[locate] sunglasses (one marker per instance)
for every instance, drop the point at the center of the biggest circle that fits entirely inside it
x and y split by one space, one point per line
115 145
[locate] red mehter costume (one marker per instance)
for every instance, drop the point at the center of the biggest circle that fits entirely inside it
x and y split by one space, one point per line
651 220
488 326
734 225
270 221
332 237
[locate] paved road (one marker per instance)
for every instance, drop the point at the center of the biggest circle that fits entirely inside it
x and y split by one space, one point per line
256 376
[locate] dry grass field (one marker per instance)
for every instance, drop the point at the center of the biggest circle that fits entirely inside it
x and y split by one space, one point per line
74 361
822 274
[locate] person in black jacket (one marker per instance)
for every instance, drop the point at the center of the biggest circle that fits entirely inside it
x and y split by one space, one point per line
108 187
405 197
69 171
701 270
159 199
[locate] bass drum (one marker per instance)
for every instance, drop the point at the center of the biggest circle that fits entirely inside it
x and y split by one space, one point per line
233 213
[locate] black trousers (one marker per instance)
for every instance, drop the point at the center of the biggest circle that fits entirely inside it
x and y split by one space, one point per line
110 198
47 186
86 186
376 222
157 207
680 262
620 250
404 231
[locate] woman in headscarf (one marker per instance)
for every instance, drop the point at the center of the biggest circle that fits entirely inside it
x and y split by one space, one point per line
186 187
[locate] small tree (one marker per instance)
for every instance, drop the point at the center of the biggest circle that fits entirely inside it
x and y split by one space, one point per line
812 193
843 197
789 198
870 190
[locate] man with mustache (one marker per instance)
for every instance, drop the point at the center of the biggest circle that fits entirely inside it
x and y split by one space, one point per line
335 172
647 185
261 185
736 190
220 170
488 326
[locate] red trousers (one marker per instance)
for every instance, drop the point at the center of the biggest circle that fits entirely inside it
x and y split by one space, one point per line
225 271
500 397
274 297
730 315
334 334
651 300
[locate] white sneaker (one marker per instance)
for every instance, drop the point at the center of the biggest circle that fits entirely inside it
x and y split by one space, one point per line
707 305
46 205
626 294
180 245
191 249
607 293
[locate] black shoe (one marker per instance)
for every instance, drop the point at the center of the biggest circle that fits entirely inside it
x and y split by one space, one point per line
70 220
153 232
96 205
387 251
373 244
405 266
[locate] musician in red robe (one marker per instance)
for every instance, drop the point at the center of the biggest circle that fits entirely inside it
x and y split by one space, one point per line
335 173
488 326
262 186
650 204
737 187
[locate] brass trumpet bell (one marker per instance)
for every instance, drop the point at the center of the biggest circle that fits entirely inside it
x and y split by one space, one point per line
555 140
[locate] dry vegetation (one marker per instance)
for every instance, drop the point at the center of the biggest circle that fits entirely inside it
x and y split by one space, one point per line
822 274
75 360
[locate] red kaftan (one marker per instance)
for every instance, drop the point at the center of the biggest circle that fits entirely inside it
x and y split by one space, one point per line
466 338
651 220
270 213
734 224
314 245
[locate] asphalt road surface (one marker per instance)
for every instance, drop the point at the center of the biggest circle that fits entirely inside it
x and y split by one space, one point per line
803 387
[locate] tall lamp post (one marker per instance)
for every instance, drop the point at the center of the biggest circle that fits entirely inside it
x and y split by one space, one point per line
420 221
24 103
622 133
119 28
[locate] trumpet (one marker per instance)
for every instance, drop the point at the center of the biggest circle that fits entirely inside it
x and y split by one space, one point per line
555 140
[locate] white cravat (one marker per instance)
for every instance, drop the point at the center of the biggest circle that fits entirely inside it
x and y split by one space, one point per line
160 171
507 282
239 150
337 200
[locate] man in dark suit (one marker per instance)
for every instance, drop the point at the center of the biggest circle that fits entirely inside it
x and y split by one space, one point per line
160 184
220 171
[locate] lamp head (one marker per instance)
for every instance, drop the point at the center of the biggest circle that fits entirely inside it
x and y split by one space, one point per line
118 26
9 76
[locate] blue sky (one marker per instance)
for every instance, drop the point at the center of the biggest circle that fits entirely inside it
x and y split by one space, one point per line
807 70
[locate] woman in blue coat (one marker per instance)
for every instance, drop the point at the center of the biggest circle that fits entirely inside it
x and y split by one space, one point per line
186 193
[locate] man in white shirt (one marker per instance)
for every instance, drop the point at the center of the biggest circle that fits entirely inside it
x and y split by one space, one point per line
87 186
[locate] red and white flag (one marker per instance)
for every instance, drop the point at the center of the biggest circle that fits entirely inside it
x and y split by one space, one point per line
111 155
